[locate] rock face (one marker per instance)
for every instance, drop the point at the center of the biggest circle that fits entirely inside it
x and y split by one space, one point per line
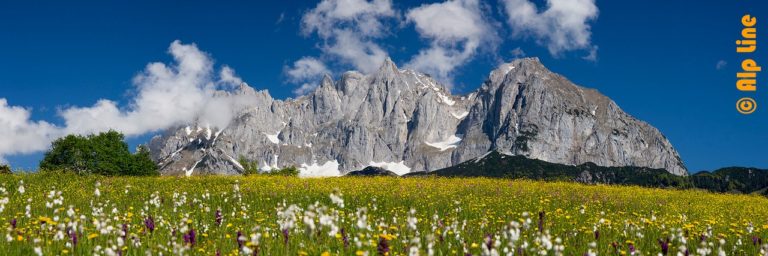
405 121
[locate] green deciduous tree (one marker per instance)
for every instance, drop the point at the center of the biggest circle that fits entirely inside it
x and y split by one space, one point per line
104 154
249 167
5 169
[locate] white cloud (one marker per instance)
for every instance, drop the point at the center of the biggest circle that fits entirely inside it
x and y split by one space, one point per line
227 76
592 56
306 71
166 96
562 26
517 53
19 134
456 29
348 29
721 64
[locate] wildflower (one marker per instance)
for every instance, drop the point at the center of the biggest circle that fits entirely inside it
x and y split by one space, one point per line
13 223
97 192
38 251
541 221
597 234
344 238
150 224
190 238
73 236
285 236
336 198
383 247
219 217
664 246
240 239
21 187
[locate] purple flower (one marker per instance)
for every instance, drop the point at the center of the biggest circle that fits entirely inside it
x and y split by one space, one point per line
488 241
664 246
125 231
13 223
755 240
541 221
189 238
240 239
597 234
150 224
631 248
344 238
383 247
285 236
73 236
219 218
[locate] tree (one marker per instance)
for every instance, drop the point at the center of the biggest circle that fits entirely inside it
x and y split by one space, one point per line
5 169
287 171
249 167
105 154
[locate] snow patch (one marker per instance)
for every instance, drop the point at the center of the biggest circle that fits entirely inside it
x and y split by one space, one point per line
461 115
268 167
328 169
273 137
208 133
235 162
188 130
445 144
398 168
191 169
447 100
509 68
477 160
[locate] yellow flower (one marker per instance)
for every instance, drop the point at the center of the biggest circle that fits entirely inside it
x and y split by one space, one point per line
20 238
475 245
93 235
47 220
303 253
326 254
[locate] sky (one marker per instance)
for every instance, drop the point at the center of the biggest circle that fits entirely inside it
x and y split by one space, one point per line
143 66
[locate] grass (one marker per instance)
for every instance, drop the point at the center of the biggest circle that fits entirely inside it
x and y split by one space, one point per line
359 216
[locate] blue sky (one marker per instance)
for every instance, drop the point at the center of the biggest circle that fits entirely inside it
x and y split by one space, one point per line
657 59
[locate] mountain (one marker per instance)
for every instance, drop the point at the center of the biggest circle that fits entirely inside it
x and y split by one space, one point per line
494 164
405 121
733 179
372 171
499 165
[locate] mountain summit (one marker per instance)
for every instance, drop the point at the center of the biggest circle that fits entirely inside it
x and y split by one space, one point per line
404 121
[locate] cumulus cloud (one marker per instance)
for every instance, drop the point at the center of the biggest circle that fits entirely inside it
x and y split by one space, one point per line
455 29
348 30
166 96
562 26
228 77
306 71
20 135
517 53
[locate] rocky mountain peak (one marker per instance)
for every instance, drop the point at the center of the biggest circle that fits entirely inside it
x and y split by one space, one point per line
405 121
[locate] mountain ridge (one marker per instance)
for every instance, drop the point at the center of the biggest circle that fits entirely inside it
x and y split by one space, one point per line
407 121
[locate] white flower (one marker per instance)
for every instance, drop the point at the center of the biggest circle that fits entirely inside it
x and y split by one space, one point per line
38 251
21 187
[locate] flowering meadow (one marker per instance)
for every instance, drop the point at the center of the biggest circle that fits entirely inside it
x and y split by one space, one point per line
94 215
